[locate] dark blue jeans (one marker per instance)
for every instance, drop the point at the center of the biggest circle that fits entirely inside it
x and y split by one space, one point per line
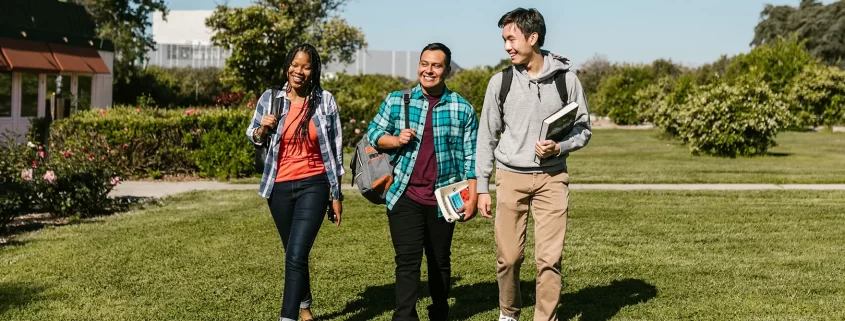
298 208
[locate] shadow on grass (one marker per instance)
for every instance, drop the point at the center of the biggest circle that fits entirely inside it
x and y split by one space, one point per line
597 303
18 295
771 154
600 303
37 221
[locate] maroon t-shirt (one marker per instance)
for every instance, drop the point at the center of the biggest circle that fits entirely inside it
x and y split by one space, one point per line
421 184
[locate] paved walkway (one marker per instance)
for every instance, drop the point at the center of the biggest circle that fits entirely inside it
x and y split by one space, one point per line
162 189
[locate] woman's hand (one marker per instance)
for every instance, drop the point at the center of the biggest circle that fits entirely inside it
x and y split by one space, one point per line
337 209
267 122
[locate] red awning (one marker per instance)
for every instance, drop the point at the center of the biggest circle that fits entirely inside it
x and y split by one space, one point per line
3 64
28 55
76 59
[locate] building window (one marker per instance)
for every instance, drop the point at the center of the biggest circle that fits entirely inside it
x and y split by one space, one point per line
5 94
83 93
29 95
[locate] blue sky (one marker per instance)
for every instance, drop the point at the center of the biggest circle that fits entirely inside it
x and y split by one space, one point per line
691 32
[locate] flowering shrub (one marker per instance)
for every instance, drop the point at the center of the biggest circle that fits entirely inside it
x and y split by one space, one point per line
14 173
71 182
353 131
229 99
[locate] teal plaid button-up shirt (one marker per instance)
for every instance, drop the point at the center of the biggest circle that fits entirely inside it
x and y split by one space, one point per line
455 126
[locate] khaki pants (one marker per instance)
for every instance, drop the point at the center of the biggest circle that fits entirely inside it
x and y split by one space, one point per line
547 196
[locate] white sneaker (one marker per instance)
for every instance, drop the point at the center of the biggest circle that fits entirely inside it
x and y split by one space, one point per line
502 317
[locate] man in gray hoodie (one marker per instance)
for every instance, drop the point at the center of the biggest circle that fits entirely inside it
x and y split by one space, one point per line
509 134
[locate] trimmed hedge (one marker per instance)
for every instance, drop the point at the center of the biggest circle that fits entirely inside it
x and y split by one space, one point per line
205 142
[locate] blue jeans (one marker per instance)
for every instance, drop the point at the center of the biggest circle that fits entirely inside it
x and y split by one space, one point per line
298 208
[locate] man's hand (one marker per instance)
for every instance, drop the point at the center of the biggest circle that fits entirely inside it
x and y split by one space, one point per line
469 208
405 137
484 203
546 149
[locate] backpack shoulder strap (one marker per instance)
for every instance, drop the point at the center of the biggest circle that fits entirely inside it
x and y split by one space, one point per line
507 78
560 82
276 105
406 98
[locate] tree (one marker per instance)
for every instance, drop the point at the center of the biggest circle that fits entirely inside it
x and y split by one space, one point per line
820 25
260 35
472 83
125 23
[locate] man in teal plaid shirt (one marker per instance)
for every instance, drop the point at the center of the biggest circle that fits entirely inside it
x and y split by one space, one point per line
437 150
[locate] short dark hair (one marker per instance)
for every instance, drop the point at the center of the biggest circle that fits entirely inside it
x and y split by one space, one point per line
528 21
441 47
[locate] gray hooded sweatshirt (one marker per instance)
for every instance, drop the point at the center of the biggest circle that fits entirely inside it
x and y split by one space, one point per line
511 138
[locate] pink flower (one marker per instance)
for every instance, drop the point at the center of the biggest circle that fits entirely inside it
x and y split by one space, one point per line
26 174
114 180
50 177
102 112
41 154
137 109
92 157
357 131
34 164
40 147
124 146
352 121
190 112
67 153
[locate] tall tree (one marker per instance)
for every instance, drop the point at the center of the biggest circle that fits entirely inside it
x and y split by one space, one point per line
820 26
260 35
125 22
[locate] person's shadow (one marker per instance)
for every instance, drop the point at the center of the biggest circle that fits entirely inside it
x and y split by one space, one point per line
18 295
596 303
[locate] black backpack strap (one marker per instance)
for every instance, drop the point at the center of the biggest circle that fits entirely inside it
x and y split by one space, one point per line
406 98
507 79
560 82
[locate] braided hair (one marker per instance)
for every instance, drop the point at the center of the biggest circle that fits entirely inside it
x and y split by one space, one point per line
312 86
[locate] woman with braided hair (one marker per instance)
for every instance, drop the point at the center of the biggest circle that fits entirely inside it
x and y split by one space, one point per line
302 169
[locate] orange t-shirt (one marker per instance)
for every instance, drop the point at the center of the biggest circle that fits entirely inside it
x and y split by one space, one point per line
298 158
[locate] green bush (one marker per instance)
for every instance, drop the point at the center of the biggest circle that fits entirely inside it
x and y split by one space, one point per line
615 97
817 97
172 87
78 182
775 64
360 96
66 183
472 85
732 120
165 141
353 130
660 102
222 155
15 169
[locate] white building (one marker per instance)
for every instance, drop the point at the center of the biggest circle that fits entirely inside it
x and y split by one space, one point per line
185 41
50 62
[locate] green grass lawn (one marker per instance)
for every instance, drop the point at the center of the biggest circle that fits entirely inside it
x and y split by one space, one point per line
769 255
634 156
642 157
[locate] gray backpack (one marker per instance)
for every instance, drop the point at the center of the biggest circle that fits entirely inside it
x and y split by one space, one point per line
372 170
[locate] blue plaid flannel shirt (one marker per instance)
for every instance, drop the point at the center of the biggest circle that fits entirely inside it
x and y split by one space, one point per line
327 121
455 128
